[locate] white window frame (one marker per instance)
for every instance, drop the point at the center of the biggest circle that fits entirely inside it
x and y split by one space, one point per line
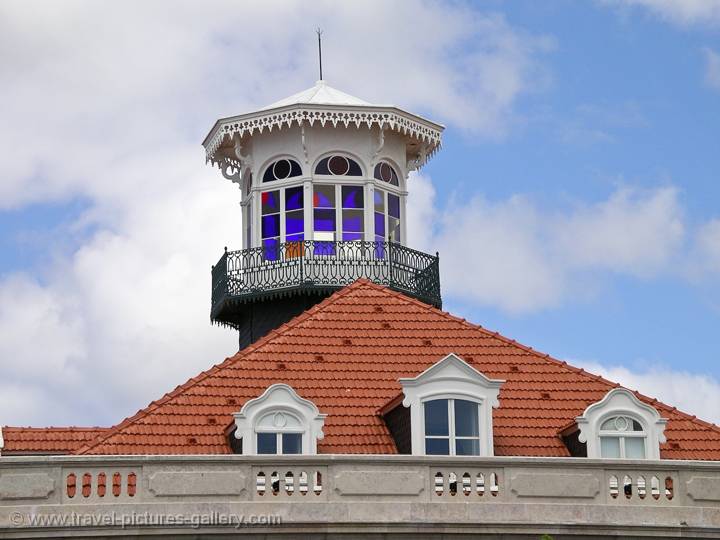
622 435
452 437
621 402
451 378
279 398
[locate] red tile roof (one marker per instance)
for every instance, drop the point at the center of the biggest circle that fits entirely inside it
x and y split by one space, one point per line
49 440
346 355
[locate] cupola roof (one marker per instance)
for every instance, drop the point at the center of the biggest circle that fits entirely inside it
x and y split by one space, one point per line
320 94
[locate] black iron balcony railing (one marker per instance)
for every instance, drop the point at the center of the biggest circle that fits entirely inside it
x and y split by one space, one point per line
320 266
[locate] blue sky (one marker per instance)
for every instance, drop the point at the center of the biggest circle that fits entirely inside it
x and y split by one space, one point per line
580 160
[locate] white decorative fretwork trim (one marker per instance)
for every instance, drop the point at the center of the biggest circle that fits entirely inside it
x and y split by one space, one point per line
428 133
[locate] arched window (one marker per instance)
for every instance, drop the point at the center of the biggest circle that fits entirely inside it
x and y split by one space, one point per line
282 169
451 407
622 437
279 422
621 426
338 165
386 173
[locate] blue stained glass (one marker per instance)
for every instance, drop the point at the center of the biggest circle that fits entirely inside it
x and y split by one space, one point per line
295 237
325 220
353 220
324 248
271 251
294 198
294 222
379 247
380 225
271 226
379 197
270 202
351 236
267 443
394 205
352 197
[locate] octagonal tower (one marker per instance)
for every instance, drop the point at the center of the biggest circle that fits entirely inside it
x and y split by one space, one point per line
323 177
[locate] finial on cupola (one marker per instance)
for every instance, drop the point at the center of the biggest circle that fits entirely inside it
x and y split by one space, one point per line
319 34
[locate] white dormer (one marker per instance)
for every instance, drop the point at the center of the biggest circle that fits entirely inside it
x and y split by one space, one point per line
621 426
451 409
279 422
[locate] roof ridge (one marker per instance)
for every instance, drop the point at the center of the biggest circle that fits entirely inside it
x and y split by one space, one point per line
547 356
192 381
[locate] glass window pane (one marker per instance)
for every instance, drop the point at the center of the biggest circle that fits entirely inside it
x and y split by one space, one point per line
270 202
352 197
281 169
294 222
271 249
292 443
635 447
352 236
294 198
354 168
267 443
353 220
466 418
380 225
636 426
322 166
393 205
609 424
437 447
610 447
379 200
271 226
394 229
325 220
436 417
339 165
467 447
324 196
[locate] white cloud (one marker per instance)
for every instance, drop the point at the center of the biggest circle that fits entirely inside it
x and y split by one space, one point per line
680 12
712 69
526 258
107 102
691 393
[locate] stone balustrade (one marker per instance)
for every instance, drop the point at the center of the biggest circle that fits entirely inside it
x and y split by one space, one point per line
363 495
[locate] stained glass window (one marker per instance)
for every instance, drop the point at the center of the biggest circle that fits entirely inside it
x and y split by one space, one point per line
324 219
353 213
338 166
282 169
270 224
386 173
393 217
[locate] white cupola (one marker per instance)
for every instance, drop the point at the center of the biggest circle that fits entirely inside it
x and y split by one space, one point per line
323 177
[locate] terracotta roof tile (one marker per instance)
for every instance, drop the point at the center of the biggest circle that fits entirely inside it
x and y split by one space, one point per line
390 336
49 440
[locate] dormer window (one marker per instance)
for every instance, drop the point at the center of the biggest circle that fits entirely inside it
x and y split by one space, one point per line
451 409
452 427
279 422
338 165
620 426
281 170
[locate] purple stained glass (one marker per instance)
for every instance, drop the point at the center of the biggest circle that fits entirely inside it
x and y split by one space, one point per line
352 220
324 197
379 200
271 226
294 198
270 202
324 248
325 220
394 205
294 222
352 236
295 237
271 251
352 197
380 225
379 247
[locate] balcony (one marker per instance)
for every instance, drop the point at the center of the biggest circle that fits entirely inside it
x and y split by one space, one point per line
318 267
408 496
